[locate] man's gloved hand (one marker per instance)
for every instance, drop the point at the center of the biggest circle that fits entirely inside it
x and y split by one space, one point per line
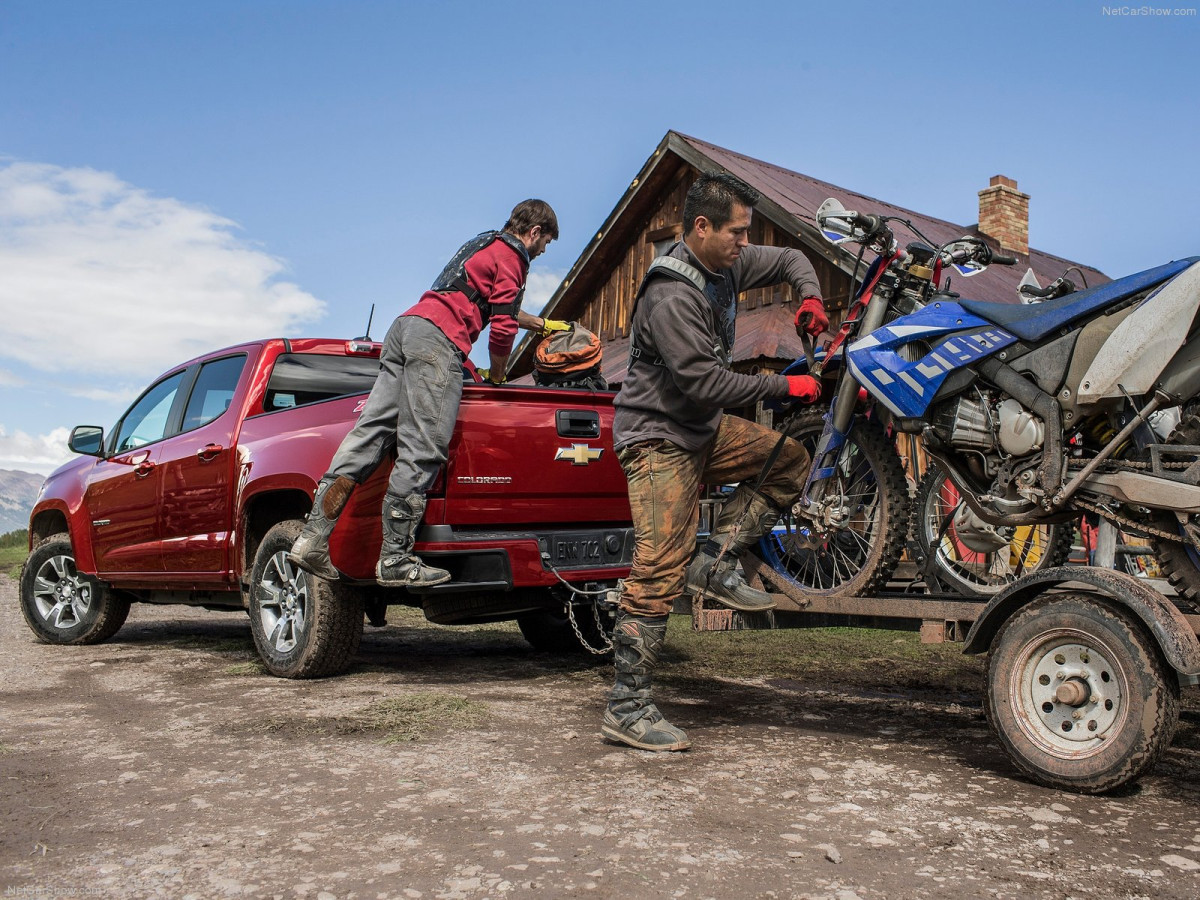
549 326
811 317
804 387
486 375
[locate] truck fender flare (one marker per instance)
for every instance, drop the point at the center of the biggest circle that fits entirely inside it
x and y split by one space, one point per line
1162 619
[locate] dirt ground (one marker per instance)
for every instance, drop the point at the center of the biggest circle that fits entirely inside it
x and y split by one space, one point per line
456 763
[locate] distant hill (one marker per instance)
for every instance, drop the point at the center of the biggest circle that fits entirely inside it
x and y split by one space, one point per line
18 491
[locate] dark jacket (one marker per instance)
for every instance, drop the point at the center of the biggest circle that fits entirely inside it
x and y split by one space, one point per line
682 400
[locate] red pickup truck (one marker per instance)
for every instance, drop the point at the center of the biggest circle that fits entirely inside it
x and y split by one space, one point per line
198 491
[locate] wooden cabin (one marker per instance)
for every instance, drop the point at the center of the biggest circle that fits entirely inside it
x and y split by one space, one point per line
599 289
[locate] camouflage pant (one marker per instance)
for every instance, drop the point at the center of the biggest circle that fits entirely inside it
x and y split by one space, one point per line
664 493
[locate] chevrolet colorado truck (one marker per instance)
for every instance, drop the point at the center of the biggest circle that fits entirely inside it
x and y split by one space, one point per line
198 491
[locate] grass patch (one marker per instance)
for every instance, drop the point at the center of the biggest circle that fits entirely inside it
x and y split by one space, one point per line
232 645
254 667
5 749
11 560
412 717
864 657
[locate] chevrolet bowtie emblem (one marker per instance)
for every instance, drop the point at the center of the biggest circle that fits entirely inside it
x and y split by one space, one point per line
579 454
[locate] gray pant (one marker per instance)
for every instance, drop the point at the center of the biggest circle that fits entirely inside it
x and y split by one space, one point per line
412 407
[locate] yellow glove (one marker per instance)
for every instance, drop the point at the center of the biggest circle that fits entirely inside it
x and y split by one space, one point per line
486 375
549 326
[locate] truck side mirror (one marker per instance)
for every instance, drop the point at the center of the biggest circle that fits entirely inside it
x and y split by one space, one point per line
87 439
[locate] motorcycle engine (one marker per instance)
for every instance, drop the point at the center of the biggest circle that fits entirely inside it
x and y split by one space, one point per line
986 423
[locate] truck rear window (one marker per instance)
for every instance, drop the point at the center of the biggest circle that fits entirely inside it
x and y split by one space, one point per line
299 379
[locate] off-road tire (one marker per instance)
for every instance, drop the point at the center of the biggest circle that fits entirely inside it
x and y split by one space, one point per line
63 606
303 626
1115 740
852 563
968 572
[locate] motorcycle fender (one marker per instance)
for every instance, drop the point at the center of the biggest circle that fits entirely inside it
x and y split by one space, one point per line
1140 347
1165 623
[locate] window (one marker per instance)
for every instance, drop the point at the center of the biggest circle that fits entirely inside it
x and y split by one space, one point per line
146 421
213 391
299 379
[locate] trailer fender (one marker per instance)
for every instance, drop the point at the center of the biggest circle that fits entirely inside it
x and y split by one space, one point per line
1165 623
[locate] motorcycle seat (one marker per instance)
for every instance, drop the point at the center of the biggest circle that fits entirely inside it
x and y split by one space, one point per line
1036 321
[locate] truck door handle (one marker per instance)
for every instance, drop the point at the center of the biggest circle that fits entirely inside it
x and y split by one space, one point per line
141 470
584 423
208 452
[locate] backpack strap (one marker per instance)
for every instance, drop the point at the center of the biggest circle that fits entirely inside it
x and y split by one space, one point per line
669 267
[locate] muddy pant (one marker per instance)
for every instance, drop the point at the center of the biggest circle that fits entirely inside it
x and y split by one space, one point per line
412 407
664 493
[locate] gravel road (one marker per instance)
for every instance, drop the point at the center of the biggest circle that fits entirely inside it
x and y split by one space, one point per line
460 764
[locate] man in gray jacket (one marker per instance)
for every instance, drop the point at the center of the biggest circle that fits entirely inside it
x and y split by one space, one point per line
671 437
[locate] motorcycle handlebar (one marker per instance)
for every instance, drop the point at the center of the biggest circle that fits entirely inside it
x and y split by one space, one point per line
1033 291
1001 260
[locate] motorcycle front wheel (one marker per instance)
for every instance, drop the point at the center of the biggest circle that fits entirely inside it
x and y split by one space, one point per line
971 558
858 557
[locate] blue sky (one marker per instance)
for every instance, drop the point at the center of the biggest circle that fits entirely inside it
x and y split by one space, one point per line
179 176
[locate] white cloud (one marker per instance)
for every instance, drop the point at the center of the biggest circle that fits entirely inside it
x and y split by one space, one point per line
41 453
9 379
539 288
99 277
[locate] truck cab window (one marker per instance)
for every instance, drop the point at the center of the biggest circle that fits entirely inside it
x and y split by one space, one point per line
213 391
299 379
146 421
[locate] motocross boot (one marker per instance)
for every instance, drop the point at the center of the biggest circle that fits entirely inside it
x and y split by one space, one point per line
398 566
631 717
721 581
310 550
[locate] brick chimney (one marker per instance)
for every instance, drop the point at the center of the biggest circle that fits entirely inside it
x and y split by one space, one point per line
1004 214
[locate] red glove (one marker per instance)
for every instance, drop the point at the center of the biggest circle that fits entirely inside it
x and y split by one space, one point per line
805 387
811 317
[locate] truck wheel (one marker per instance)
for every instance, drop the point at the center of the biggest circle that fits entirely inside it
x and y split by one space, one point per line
62 606
303 626
1079 695
550 631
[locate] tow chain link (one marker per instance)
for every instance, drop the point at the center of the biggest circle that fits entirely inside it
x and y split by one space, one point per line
606 644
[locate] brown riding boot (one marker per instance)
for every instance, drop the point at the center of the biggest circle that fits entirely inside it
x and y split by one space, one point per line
721 582
631 717
310 551
398 566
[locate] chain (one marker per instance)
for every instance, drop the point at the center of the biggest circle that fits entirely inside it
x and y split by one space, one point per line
1115 465
607 644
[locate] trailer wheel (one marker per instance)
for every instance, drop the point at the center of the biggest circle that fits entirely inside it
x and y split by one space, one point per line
63 606
1079 695
303 626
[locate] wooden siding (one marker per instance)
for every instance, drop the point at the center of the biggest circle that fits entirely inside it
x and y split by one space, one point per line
607 311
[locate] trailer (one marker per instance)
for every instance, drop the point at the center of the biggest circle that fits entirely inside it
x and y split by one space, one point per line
1085 666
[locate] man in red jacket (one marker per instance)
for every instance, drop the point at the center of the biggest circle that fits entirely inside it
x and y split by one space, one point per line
414 403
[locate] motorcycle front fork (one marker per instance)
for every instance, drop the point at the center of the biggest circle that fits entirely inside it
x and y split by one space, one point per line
822 502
